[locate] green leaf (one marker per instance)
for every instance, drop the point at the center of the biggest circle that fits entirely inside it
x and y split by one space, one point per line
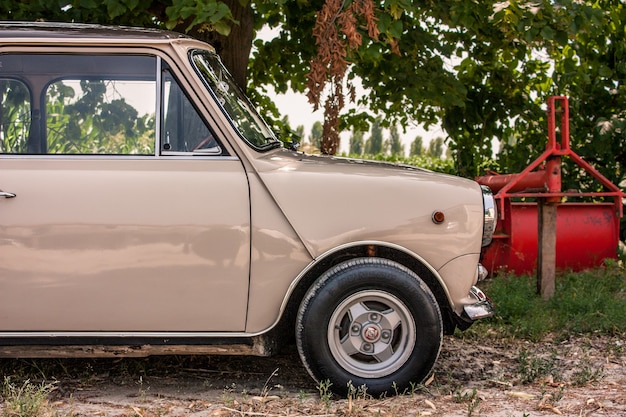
396 10
561 37
221 12
395 29
547 33
384 21
132 4
115 9
222 27
605 71
89 4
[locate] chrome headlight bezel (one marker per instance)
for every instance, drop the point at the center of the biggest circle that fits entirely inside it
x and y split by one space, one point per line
491 215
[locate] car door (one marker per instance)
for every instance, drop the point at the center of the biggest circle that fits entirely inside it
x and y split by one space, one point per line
110 220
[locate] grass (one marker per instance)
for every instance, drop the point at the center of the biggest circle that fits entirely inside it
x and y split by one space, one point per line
532 366
589 302
25 399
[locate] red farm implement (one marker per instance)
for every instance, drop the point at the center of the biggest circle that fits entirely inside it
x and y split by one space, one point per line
538 222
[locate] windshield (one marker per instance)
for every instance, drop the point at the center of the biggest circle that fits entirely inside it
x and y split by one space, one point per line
233 101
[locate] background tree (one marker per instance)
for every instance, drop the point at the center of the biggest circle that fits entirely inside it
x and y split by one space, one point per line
357 142
316 134
589 68
449 153
417 146
299 132
395 142
374 145
435 147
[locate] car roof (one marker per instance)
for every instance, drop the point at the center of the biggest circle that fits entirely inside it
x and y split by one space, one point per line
15 29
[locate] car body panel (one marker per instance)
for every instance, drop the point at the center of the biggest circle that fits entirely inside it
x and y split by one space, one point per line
340 191
123 245
278 258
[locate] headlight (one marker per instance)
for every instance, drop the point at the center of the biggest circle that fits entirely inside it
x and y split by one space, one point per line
491 215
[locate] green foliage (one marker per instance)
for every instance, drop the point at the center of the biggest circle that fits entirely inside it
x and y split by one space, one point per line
435 147
585 375
483 69
582 60
122 12
25 400
394 142
15 110
209 14
357 142
445 166
470 397
316 134
326 394
417 146
532 367
374 145
587 302
434 164
82 120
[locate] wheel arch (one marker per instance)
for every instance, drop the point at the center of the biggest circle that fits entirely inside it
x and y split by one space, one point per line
366 250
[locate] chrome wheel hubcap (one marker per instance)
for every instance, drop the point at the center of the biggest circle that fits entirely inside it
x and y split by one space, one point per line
371 334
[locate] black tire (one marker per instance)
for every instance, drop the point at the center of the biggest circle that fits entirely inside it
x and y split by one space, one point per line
371 322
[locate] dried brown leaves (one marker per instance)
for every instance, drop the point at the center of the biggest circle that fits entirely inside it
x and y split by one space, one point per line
337 32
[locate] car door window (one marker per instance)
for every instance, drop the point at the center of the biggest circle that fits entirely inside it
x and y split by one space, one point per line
78 104
15 117
100 116
184 130
101 105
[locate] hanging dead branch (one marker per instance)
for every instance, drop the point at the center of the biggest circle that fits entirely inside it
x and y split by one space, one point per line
337 31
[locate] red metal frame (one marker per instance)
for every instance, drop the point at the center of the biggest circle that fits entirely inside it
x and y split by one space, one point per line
546 182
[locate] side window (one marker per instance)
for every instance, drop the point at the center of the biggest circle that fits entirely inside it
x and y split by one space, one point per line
98 104
184 130
100 116
84 104
15 117
78 104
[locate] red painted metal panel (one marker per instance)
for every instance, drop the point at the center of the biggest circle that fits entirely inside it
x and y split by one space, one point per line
586 234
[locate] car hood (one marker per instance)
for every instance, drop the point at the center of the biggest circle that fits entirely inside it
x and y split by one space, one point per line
332 201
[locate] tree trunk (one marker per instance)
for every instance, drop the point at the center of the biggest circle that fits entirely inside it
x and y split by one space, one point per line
235 48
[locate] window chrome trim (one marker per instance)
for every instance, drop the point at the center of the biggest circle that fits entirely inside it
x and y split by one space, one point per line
490 215
158 111
215 151
130 157
195 156
252 109
14 334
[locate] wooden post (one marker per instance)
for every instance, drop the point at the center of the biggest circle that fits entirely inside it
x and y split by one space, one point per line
546 258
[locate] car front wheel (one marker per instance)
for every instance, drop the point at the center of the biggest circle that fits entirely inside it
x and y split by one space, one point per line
369 322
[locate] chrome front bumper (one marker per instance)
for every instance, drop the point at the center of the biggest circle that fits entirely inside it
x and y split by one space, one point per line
482 308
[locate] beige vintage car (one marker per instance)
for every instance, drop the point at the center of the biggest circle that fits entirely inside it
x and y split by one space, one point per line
146 208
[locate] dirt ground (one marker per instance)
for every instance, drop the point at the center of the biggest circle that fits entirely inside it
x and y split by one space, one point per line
585 376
